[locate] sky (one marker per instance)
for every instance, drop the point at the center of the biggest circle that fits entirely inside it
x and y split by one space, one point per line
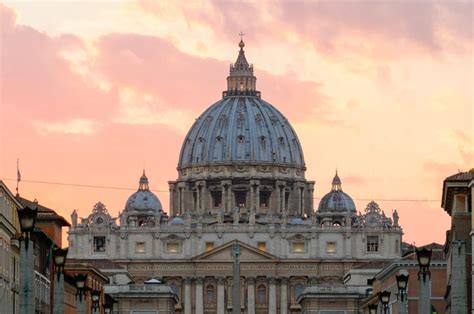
91 93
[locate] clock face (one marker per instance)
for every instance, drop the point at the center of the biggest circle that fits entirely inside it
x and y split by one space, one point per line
99 220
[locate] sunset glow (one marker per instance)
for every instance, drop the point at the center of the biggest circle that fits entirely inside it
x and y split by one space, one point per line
93 93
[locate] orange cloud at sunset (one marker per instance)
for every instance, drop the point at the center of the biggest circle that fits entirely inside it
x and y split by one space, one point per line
380 90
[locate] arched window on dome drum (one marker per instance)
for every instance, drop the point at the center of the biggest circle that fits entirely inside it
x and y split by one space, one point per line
210 294
262 294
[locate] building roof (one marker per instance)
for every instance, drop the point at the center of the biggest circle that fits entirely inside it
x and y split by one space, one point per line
458 183
44 213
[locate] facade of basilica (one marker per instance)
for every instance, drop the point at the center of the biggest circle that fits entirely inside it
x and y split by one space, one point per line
241 180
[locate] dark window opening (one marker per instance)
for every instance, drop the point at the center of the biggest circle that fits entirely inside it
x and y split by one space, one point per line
99 244
216 198
240 198
210 294
264 199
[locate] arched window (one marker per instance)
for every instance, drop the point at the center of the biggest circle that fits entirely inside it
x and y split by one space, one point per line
299 287
261 294
210 294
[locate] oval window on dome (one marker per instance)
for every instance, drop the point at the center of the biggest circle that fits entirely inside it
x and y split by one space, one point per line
240 139
219 139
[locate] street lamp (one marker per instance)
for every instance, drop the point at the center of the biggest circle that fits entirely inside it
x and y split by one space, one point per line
424 257
80 285
59 257
373 308
27 217
95 296
402 281
385 299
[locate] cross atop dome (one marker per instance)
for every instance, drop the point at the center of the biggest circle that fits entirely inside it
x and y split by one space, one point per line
241 80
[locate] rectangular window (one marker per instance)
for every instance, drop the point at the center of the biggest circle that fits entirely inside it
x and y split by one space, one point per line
262 246
99 244
209 246
298 247
264 199
172 247
240 198
216 199
372 244
140 247
331 247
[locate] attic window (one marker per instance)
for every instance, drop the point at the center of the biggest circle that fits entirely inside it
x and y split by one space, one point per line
99 244
209 246
240 139
298 247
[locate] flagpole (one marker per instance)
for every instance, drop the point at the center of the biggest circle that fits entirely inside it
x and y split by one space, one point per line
18 175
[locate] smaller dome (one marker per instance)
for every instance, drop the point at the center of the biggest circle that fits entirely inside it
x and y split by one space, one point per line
336 200
297 221
177 221
143 199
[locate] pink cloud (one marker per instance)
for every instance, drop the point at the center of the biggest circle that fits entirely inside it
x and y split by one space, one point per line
190 83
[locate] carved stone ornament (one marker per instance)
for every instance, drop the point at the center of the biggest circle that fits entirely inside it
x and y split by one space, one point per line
374 217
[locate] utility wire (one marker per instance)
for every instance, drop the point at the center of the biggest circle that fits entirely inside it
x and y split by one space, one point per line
164 191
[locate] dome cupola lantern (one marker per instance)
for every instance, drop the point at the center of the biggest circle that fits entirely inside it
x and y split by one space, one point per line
241 80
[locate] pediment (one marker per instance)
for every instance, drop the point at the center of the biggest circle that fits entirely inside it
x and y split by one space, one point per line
248 253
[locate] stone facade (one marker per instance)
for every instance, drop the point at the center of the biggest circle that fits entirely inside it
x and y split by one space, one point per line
9 251
241 180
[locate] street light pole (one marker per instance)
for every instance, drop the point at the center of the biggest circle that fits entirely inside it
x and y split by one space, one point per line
402 296
59 258
424 277
27 217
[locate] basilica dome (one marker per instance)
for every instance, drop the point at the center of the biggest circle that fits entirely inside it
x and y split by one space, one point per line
143 199
336 200
241 128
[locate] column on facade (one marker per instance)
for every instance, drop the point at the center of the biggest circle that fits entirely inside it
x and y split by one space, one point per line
303 203
257 198
250 295
224 198
187 296
311 195
220 295
278 197
199 295
283 295
230 197
172 195
272 301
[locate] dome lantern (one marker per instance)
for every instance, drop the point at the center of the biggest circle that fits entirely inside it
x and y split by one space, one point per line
241 80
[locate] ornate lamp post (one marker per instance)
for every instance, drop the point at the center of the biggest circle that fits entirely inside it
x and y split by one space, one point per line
27 217
59 258
373 308
81 288
424 258
402 282
385 299
95 296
